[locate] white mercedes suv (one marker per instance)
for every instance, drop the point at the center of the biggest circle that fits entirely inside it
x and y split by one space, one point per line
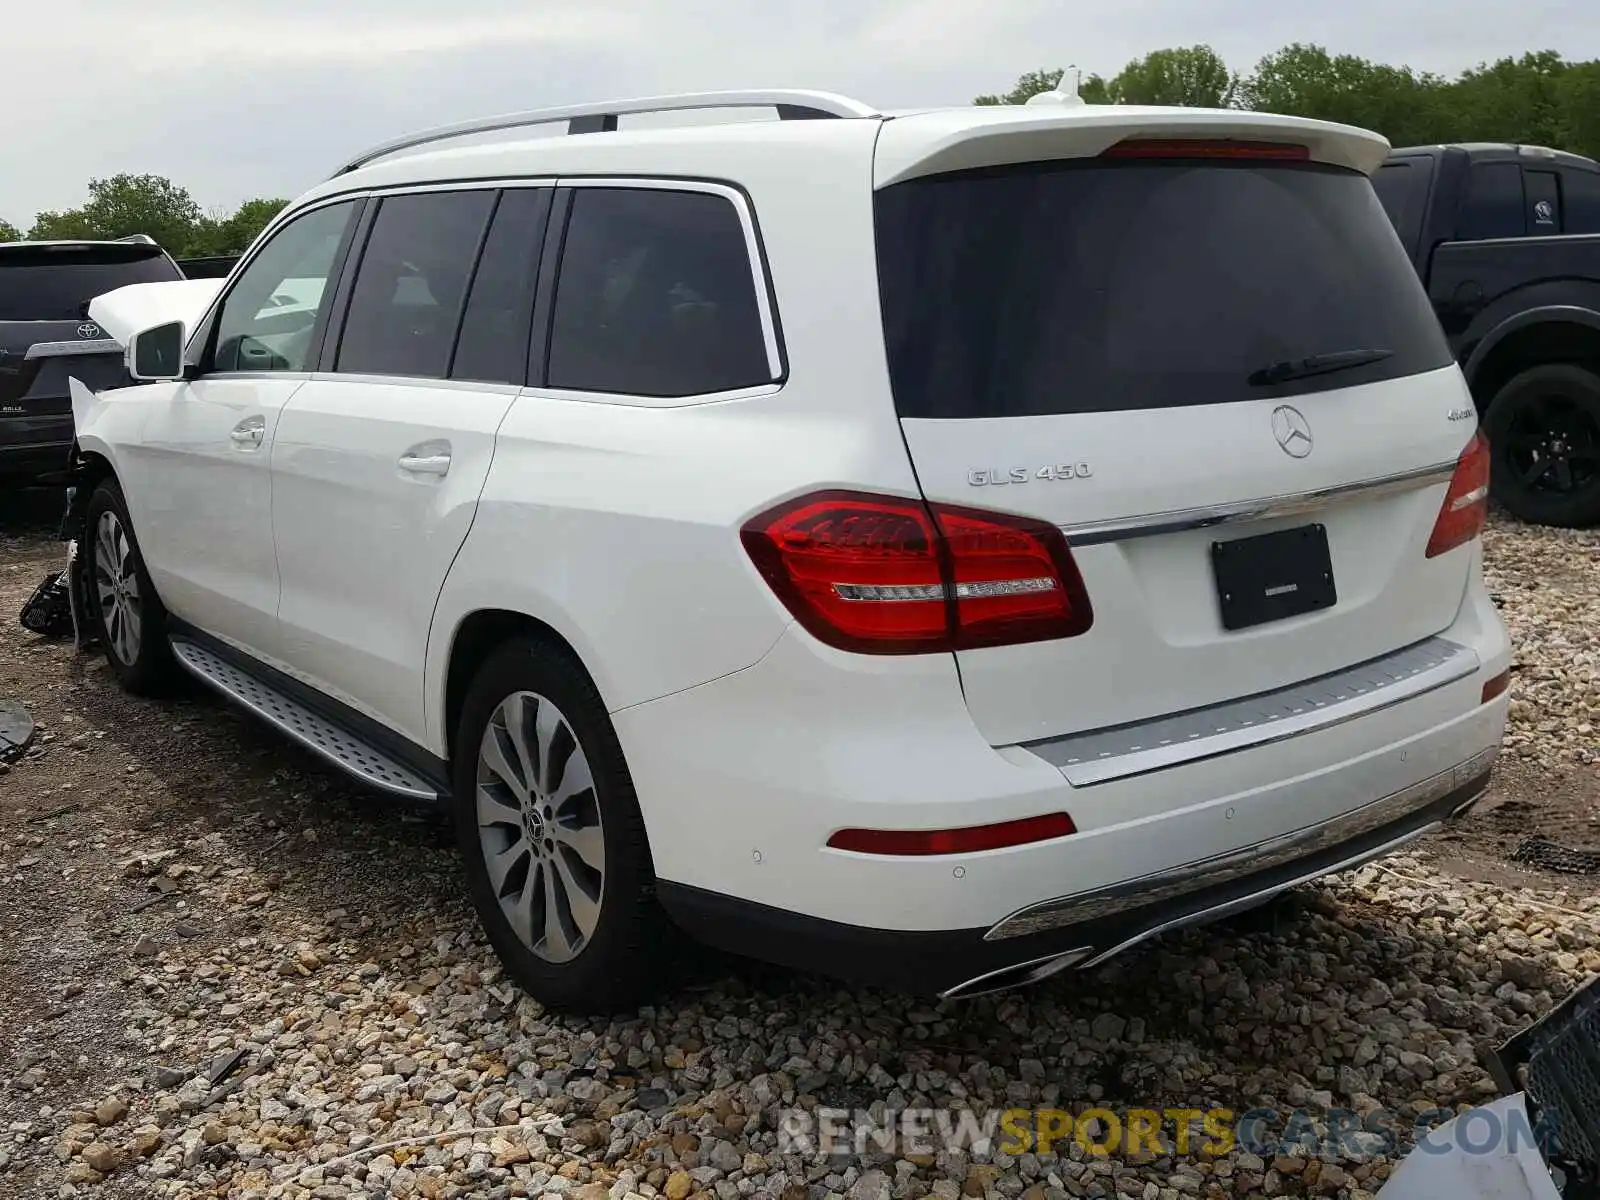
939 548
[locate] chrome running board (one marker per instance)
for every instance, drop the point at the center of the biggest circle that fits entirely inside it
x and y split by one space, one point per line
316 733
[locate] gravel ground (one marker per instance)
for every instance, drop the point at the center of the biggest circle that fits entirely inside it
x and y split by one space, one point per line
185 897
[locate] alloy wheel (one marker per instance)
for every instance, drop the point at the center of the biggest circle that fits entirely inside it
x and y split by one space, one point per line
1553 446
539 826
117 586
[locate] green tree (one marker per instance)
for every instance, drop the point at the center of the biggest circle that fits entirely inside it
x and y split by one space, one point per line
1305 80
1188 76
9 232
128 204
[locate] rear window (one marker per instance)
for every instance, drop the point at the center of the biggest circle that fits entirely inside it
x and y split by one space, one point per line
47 283
1092 287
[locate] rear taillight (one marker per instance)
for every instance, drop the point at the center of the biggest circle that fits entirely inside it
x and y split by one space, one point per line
1466 504
885 575
1203 148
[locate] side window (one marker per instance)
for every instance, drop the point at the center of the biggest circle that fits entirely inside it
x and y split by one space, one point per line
1581 193
1402 187
493 345
1493 207
1543 194
406 301
267 321
656 296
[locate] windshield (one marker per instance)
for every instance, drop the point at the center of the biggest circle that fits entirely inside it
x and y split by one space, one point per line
48 283
1087 286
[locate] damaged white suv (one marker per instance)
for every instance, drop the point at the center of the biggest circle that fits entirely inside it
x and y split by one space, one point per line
939 548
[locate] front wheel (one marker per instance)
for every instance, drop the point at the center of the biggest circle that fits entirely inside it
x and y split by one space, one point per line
554 844
1544 439
128 615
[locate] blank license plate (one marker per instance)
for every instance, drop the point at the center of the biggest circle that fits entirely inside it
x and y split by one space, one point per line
1273 576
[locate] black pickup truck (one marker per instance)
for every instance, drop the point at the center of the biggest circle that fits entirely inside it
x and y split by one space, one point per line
46 337
1507 241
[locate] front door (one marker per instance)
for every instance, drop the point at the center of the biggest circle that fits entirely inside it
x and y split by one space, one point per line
198 478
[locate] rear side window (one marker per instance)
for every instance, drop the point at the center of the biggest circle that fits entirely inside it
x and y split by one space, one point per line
1542 194
1581 193
1402 187
1492 206
1079 287
656 296
493 344
409 289
56 283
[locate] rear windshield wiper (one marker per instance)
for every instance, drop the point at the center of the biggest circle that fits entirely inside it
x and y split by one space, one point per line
1317 364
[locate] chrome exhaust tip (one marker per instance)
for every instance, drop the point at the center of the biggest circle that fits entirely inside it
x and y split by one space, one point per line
1017 975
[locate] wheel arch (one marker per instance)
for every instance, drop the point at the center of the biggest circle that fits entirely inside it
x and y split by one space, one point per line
473 638
1554 334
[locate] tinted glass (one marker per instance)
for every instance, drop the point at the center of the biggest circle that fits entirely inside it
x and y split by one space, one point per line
1542 194
270 314
1581 199
1093 287
655 297
1492 207
57 283
406 302
493 344
1402 188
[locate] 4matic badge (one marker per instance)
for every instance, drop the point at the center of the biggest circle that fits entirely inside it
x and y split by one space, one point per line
993 476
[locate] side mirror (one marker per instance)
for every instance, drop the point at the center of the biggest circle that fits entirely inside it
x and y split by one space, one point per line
157 353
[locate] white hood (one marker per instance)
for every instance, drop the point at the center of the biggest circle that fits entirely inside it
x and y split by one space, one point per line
127 310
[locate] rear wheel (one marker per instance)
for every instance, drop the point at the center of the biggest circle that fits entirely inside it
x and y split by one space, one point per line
1544 436
556 855
128 615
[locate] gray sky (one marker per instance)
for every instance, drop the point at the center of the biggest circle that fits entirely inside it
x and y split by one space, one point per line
234 99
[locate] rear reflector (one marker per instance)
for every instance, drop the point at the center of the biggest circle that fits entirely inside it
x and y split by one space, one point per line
1496 686
1198 148
1466 504
887 575
907 842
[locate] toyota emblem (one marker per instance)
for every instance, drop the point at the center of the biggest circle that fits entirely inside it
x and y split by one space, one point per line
1291 430
88 330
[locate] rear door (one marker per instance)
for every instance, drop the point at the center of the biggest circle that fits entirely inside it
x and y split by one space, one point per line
45 289
1146 351
380 458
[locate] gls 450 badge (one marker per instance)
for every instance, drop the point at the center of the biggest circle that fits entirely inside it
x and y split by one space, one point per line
993 476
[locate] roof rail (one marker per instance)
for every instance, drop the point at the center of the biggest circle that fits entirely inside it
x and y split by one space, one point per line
792 105
144 239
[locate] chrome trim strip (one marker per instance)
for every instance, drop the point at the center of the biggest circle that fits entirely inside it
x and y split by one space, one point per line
74 349
1242 861
212 670
1228 908
1180 520
1121 752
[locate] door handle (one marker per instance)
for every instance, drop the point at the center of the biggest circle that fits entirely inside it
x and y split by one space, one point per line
247 434
429 458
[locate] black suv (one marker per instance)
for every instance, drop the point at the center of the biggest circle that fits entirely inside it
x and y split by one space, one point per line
46 337
1507 241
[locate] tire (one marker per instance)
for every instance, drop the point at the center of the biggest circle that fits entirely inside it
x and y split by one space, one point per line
127 614
599 953
1544 438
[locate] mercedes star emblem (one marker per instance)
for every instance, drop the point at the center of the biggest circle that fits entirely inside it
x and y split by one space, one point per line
1292 431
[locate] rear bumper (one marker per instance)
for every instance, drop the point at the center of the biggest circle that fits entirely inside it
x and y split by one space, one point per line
33 446
1080 931
743 780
